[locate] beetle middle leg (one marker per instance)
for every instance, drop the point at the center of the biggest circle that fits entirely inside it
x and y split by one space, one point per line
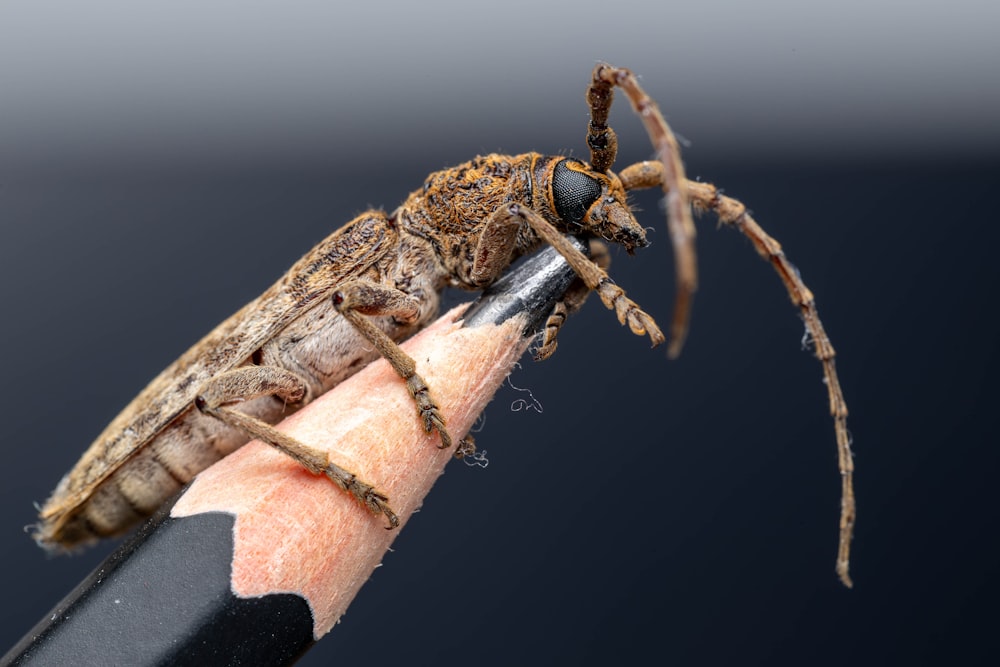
249 382
356 300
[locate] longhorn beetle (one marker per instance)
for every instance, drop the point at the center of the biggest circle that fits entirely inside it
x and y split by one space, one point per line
375 281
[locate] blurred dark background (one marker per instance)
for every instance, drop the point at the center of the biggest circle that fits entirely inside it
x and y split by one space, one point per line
160 166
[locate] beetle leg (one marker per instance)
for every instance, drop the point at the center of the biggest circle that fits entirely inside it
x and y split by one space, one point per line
249 382
246 383
356 300
574 299
495 247
593 276
492 256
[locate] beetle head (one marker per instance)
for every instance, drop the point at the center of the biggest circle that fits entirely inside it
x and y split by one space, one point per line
594 203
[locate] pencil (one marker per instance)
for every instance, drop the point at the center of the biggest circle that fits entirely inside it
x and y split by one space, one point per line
258 559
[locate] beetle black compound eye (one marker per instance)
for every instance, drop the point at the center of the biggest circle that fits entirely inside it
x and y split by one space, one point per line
573 193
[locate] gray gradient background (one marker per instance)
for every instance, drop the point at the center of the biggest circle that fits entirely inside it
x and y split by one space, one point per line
162 163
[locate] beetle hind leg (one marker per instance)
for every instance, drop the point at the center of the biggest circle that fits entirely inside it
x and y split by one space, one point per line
248 382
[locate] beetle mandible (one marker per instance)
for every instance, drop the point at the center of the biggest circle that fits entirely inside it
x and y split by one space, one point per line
375 281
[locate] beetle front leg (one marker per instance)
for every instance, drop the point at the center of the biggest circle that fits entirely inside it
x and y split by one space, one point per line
492 255
574 299
593 276
356 301
495 247
249 382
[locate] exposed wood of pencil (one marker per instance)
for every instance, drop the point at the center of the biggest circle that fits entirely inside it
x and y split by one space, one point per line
296 532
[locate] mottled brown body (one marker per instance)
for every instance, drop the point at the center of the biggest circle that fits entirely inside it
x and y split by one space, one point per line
161 440
374 282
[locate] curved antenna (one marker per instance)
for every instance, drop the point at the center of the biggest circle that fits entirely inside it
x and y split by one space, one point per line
603 144
733 213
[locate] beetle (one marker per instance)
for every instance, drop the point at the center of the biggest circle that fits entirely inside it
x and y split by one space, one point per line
377 280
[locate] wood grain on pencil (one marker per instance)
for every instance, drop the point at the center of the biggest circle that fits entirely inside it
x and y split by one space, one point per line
298 533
